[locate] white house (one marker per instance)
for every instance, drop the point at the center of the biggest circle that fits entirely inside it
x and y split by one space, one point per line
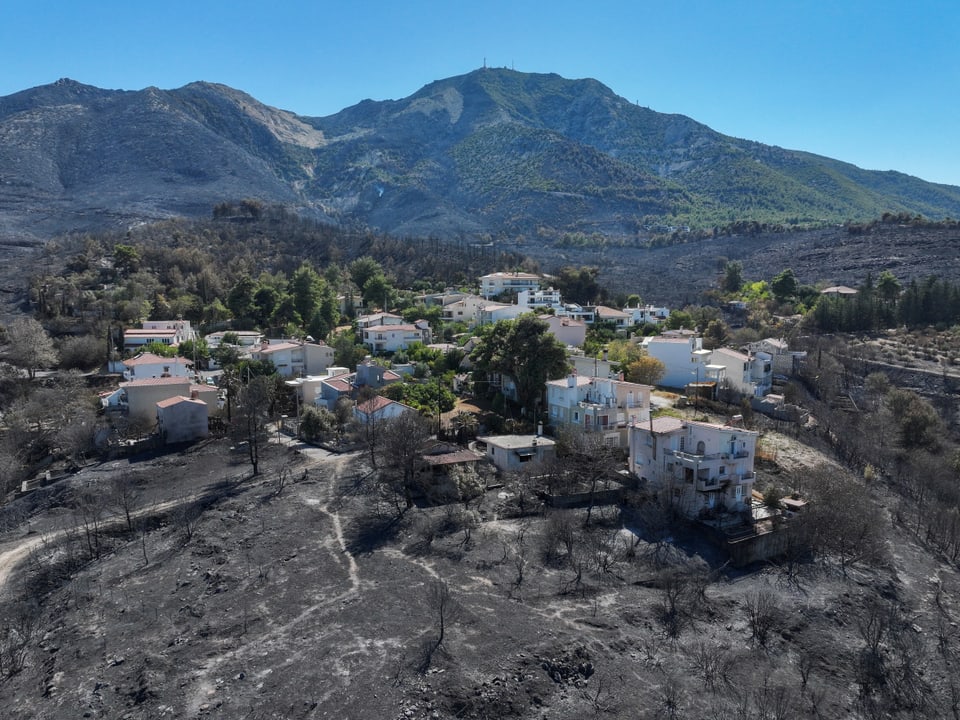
785 360
596 404
698 466
245 338
678 358
150 365
568 331
307 387
166 332
540 299
492 312
464 308
647 314
294 358
181 419
143 395
500 282
379 408
518 452
594 366
381 318
619 319
391 338
749 374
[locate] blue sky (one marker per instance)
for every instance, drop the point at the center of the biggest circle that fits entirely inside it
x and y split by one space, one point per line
872 83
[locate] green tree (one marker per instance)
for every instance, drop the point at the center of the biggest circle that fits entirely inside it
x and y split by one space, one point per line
265 302
306 289
240 298
347 352
732 277
888 287
362 269
784 285
159 348
578 284
326 317
377 290
126 259
196 350
679 319
526 351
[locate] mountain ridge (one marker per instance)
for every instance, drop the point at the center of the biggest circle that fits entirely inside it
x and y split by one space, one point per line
492 152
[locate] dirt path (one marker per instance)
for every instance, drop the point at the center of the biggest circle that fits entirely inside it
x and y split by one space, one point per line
11 559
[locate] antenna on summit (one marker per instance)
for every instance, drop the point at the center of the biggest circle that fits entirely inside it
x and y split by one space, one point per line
484 63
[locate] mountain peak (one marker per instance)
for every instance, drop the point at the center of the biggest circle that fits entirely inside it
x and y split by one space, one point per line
493 151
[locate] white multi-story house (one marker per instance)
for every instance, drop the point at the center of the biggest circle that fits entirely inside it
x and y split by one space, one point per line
684 359
648 314
465 309
749 374
540 299
513 282
391 338
294 358
166 332
698 466
596 404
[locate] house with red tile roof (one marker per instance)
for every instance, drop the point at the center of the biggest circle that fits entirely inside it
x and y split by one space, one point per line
379 408
295 358
151 365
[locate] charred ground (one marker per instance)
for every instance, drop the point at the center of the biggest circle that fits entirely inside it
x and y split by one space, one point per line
317 599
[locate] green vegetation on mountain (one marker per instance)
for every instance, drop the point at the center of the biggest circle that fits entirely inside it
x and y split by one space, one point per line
492 153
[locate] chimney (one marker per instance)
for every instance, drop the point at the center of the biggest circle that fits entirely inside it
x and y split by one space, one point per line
194 394
540 429
571 380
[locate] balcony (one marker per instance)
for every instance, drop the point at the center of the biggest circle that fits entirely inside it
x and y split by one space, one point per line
712 484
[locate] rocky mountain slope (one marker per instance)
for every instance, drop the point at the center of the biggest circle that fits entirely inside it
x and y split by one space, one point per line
492 152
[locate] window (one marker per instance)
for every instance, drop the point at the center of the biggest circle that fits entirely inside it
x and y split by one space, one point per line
683 443
722 470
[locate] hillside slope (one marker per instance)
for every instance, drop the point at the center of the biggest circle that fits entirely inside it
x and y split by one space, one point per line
492 152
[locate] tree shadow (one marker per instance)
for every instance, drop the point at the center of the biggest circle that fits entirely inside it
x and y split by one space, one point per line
373 531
